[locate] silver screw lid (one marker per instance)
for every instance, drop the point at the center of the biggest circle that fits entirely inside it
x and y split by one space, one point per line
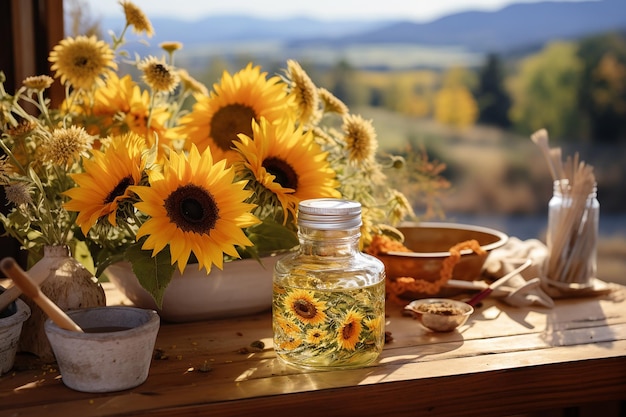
329 214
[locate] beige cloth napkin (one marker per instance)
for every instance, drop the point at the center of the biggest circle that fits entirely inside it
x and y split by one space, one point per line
530 287
525 288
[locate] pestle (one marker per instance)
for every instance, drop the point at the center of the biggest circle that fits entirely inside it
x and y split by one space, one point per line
32 290
8 296
13 292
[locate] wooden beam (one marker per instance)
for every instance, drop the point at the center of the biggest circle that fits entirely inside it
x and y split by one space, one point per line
51 19
23 40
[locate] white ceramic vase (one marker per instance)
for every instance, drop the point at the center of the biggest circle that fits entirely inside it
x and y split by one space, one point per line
68 284
242 287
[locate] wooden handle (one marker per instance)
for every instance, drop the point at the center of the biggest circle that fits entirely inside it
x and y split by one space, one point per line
32 290
484 293
478 297
19 277
8 296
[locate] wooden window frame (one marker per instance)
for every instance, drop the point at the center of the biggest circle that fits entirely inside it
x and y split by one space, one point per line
30 29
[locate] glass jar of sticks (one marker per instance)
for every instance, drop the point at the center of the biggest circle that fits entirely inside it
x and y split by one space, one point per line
572 237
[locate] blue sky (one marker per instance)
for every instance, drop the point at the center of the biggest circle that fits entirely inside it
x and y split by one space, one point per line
416 10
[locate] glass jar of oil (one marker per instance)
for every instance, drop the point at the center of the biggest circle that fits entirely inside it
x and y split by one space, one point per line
328 307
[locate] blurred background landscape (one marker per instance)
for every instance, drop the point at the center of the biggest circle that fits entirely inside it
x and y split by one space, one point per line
468 88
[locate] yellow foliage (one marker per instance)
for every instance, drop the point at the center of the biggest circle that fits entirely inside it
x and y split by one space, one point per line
613 74
455 106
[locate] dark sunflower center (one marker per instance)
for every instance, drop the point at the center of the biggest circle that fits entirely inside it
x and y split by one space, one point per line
119 189
159 69
284 173
192 209
81 61
304 309
228 122
347 330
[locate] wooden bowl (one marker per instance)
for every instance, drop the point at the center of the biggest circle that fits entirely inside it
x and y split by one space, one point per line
430 243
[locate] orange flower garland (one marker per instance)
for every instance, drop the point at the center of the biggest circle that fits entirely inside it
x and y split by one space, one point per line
383 244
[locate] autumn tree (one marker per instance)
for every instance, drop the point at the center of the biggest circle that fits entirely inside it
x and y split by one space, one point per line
454 103
545 91
602 92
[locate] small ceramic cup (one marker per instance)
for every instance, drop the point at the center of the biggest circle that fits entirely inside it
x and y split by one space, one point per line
114 352
12 319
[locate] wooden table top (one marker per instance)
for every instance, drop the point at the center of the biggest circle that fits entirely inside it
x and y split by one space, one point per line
504 361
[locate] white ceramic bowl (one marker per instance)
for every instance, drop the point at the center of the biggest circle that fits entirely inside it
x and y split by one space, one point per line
440 314
114 352
242 287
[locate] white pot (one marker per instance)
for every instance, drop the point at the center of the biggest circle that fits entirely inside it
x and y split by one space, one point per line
105 361
242 287
10 330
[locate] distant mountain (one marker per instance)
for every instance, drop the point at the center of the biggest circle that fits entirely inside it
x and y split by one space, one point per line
238 28
512 27
457 39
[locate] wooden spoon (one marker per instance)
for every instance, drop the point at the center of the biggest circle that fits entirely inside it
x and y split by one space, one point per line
21 279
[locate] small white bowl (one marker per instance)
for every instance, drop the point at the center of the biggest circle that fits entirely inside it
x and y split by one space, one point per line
440 314
113 354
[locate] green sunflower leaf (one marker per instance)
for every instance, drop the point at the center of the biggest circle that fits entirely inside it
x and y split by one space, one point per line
270 236
153 272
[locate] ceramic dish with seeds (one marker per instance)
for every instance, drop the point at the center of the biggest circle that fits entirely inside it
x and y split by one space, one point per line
440 314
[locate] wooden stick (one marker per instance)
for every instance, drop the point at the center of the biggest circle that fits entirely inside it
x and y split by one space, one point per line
571 240
540 138
13 292
32 290
8 296
555 157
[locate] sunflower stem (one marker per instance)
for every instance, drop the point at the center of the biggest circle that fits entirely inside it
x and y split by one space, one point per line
118 41
43 107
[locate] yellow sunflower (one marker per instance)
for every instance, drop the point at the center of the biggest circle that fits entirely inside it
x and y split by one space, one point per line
121 105
158 75
315 336
287 162
350 330
287 326
195 206
38 82
305 93
290 343
373 324
106 181
65 146
217 119
136 18
331 103
360 138
305 307
82 61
